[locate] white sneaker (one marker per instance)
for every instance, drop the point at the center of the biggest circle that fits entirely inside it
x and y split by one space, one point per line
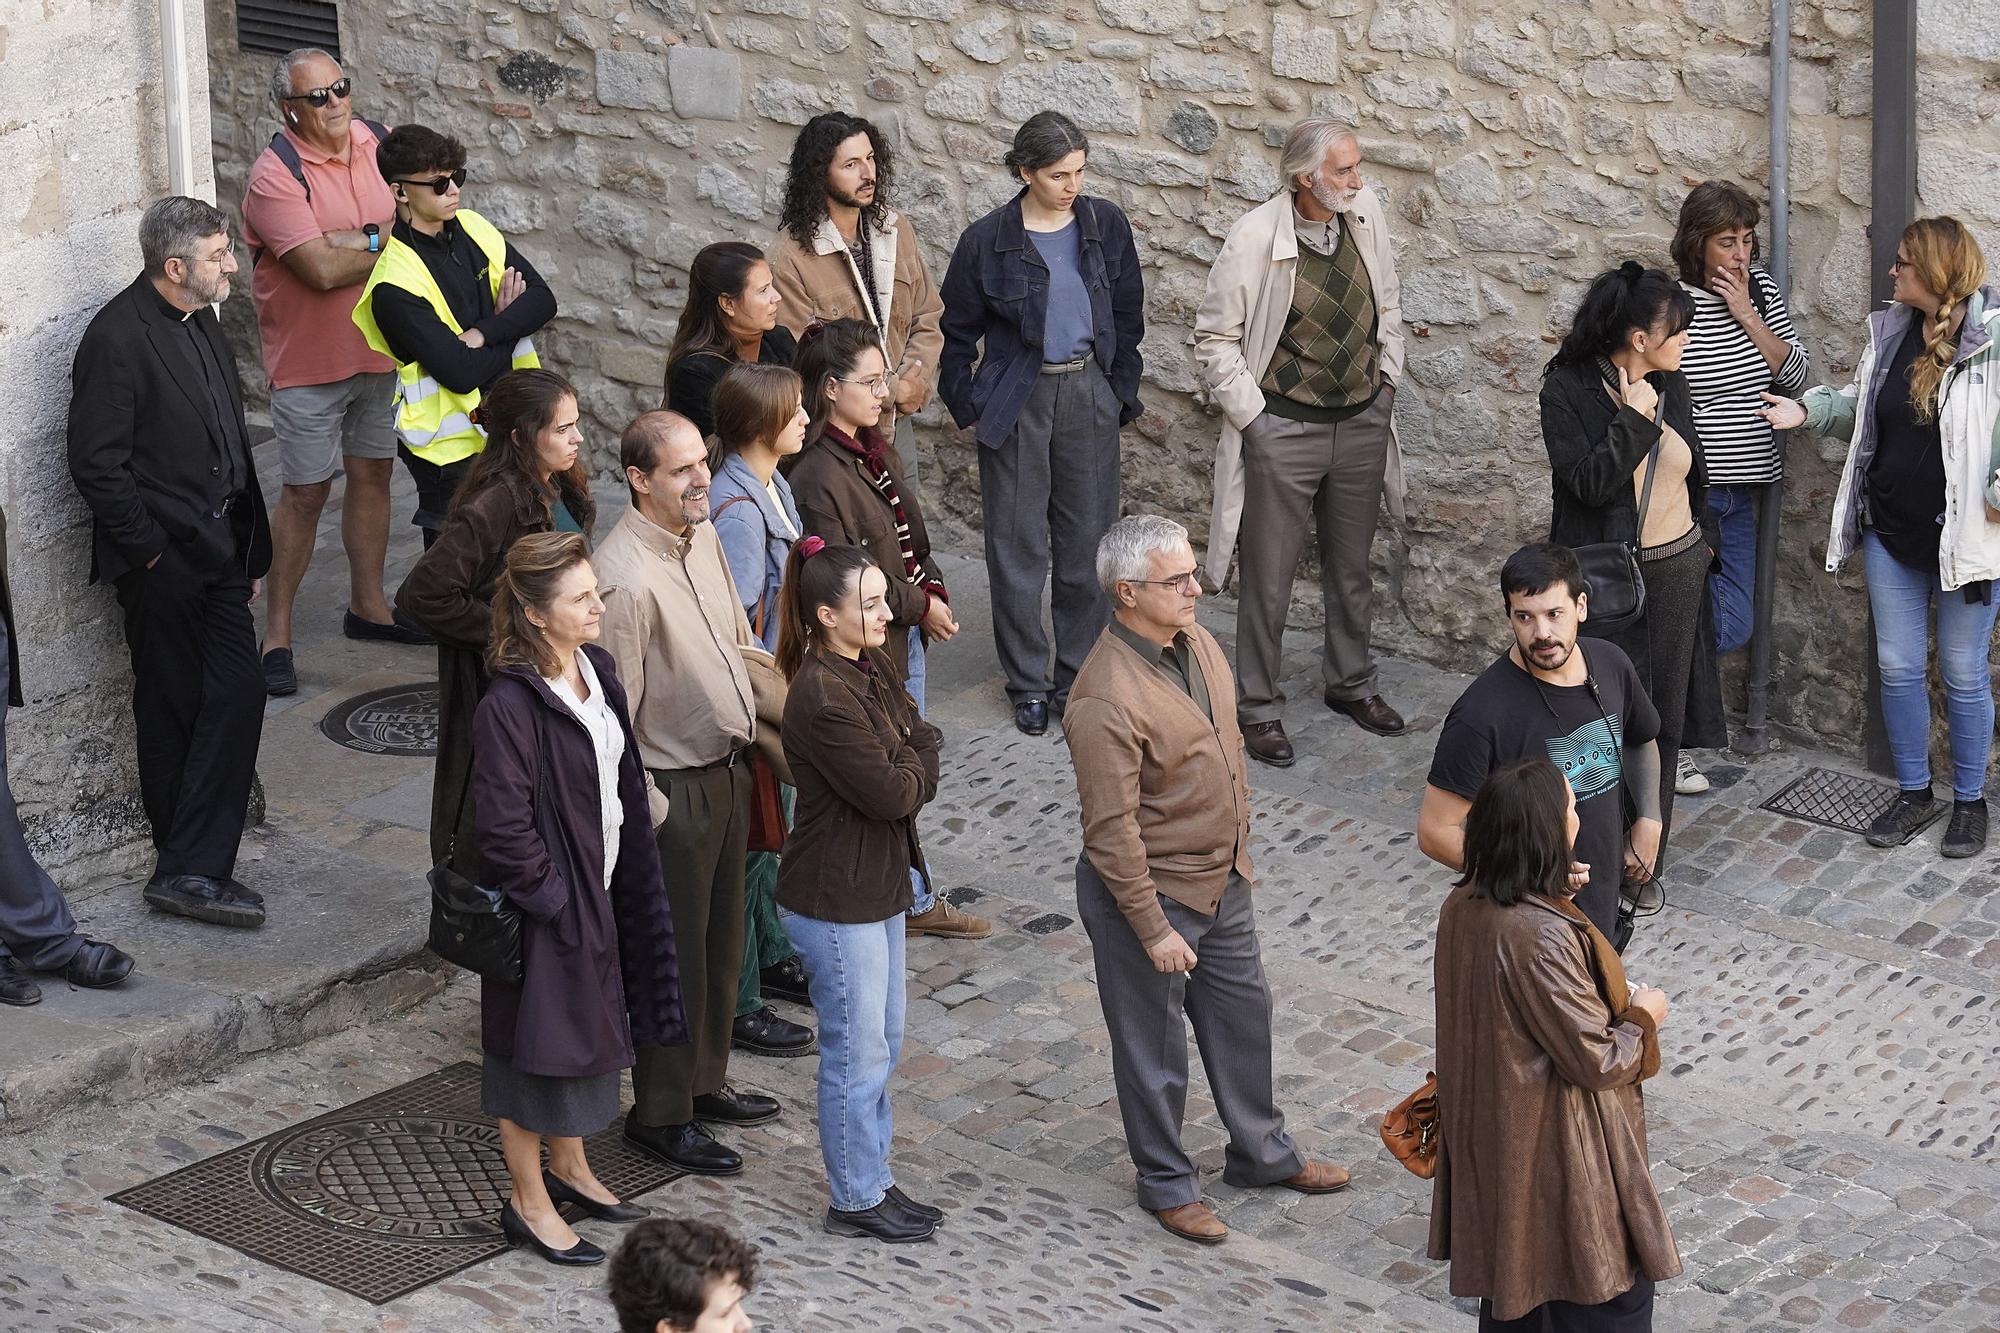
1689 780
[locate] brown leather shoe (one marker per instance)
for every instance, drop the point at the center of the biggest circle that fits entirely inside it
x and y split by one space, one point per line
1318 1178
1371 714
948 922
1194 1221
1267 741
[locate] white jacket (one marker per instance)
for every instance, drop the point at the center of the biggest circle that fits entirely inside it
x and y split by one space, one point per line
1968 428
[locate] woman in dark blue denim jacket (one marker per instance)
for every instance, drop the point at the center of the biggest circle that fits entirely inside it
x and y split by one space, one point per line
1045 293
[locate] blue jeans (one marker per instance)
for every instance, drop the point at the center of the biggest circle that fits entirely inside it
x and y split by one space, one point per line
923 896
855 975
1733 589
1901 599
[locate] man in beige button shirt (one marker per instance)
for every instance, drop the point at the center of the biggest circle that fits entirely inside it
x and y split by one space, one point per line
674 623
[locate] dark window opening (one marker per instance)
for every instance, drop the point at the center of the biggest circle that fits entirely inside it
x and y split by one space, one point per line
278 26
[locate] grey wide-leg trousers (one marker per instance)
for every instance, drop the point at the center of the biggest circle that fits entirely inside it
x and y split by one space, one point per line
1048 494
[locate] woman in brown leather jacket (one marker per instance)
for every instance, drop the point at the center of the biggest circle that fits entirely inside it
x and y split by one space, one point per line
1542 1199
530 478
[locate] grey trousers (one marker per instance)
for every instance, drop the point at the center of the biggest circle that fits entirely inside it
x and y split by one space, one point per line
35 924
1331 474
1051 488
1229 1004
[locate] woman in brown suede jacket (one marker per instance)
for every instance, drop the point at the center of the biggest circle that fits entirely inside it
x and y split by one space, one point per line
528 479
1542 1199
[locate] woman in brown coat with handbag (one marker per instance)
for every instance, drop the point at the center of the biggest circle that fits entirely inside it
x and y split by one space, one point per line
1542 1200
529 479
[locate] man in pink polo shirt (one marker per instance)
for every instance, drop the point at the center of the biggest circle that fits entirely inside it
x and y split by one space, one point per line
314 225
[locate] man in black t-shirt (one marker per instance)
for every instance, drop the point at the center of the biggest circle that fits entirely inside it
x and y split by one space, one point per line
1580 704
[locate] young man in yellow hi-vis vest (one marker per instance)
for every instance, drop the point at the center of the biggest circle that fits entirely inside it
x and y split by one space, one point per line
454 303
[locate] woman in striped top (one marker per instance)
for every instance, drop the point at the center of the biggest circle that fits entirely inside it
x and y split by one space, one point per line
1740 344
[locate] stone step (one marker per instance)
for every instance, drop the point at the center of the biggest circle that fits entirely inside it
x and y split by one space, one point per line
344 944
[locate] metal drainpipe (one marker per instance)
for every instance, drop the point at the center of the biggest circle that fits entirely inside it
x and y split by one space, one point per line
1755 737
174 86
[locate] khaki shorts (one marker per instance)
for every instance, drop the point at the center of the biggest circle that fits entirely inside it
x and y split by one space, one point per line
319 424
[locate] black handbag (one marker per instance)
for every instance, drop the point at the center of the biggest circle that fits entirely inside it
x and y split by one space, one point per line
473 925
1611 571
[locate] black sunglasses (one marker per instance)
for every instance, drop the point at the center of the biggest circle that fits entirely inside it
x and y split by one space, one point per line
438 184
320 96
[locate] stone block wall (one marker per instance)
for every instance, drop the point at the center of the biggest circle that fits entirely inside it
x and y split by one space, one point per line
83 151
1522 147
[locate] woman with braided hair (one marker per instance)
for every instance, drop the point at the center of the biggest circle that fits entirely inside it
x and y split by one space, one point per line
1920 498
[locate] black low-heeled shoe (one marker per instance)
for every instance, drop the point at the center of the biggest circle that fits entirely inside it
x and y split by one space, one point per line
561 1191
517 1231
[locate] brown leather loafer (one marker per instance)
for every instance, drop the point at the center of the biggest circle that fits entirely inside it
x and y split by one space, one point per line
1318 1178
1371 714
1266 741
1194 1221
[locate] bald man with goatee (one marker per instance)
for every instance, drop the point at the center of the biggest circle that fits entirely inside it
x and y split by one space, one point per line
675 625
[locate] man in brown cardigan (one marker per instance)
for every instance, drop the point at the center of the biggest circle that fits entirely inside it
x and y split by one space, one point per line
1163 885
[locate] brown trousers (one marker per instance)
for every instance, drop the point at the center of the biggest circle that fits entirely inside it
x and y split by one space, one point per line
702 846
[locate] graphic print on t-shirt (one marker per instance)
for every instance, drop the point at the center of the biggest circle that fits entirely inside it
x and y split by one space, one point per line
1589 756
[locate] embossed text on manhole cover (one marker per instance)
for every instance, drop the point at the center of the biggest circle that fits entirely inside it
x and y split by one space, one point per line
377 1198
401 720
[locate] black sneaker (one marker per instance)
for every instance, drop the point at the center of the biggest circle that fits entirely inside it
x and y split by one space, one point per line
1966 834
1912 812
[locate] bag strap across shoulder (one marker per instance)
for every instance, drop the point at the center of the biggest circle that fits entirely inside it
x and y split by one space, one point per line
757 621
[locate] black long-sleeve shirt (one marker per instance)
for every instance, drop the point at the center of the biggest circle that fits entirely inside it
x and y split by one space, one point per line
415 333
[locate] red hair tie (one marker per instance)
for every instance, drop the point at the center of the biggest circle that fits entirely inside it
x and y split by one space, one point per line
810 547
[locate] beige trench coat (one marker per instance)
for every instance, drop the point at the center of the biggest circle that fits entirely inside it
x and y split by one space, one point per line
1237 329
1543 1190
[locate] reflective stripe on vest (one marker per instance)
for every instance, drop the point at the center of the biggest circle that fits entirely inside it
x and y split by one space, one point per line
434 422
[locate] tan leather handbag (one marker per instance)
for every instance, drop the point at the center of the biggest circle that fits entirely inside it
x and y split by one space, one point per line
1413 1131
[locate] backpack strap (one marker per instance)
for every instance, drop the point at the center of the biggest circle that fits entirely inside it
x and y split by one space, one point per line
756 621
287 152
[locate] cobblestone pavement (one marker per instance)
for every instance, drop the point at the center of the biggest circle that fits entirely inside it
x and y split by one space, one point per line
1824 1130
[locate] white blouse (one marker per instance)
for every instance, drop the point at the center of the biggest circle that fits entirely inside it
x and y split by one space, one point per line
608 739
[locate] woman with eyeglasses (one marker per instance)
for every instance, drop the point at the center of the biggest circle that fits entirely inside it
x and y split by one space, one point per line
866 762
1920 499
454 303
851 491
730 319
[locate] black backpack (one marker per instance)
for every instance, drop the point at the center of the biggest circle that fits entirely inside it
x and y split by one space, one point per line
289 155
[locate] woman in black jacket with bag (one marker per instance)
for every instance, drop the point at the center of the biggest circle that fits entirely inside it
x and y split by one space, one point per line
1613 403
564 829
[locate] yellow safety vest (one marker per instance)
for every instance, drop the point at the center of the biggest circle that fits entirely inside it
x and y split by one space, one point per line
433 421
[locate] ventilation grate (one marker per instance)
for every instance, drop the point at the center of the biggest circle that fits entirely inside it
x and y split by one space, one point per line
278 26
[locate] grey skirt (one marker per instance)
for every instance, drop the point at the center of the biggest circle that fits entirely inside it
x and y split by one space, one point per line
561 1108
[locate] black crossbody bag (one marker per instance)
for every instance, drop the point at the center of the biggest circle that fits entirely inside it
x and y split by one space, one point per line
1611 569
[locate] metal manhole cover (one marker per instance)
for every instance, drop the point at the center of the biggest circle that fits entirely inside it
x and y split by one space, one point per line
401 720
378 1198
1837 800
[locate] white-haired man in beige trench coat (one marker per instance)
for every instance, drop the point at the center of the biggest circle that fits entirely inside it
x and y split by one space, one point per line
1300 342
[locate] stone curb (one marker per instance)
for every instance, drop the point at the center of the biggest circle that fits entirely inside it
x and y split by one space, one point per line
343 945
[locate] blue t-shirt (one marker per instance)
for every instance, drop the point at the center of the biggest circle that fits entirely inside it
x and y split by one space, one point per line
1066 328
565 521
